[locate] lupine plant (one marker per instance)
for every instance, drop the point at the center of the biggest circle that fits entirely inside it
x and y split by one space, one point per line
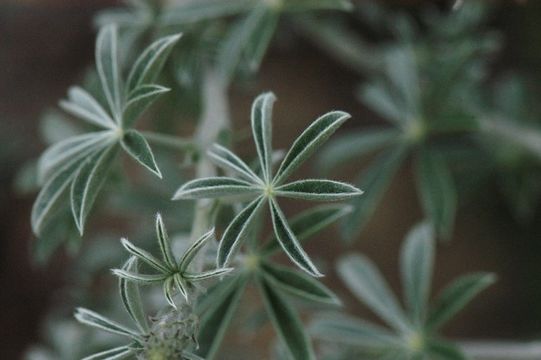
413 330
427 79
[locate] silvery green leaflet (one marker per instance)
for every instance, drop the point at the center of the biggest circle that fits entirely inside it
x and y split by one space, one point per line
275 284
412 332
266 188
79 165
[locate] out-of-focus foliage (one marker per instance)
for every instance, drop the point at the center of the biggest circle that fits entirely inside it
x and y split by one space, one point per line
413 330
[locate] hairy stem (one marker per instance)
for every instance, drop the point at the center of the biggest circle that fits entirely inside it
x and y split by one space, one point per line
169 141
214 121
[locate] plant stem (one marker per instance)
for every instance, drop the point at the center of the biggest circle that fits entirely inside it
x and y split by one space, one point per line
169 141
507 350
214 121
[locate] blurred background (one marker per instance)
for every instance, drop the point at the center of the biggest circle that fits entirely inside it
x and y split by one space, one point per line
46 46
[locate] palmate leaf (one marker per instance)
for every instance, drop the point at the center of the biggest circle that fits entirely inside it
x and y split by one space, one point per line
215 187
367 284
121 352
287 323
108 68
69 149
231 162
216 310
50 196
308 223
308 142
436 188
417 263
343 329
165 244
83 105
298 284
94 319
149 64
237 230
136 145
248 38
322 190
197 10
131 298
262 131
144 256
139 100
352 146
374 180
289 242
88 182
454 297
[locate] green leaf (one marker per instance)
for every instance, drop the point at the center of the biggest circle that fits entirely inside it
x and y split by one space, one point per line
287 324
139 100
181 285
83 105
165 244
445 351
262 131
378 97
304 5
322 190
207 274
237 230
67 150
341 329
308 223
354 145
149 64
117 353
437 190
249 35
93 319
401 69
144 255
308 142
289 242
260 39
198 10
168 290
131 298
108 68
298 284
229 161
88 182
417 263
136 145
366 283
455 297
215 187
50 196
374 181
193 249
142 279
216 318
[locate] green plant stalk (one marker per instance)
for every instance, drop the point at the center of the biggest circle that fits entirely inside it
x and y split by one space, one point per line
169 141
215 120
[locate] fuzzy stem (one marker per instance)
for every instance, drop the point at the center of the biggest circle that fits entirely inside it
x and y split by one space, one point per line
169 141
214 121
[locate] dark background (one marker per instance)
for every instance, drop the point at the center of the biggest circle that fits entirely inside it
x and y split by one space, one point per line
44 46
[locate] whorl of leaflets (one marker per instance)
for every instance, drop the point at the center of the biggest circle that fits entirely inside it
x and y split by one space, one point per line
265 188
